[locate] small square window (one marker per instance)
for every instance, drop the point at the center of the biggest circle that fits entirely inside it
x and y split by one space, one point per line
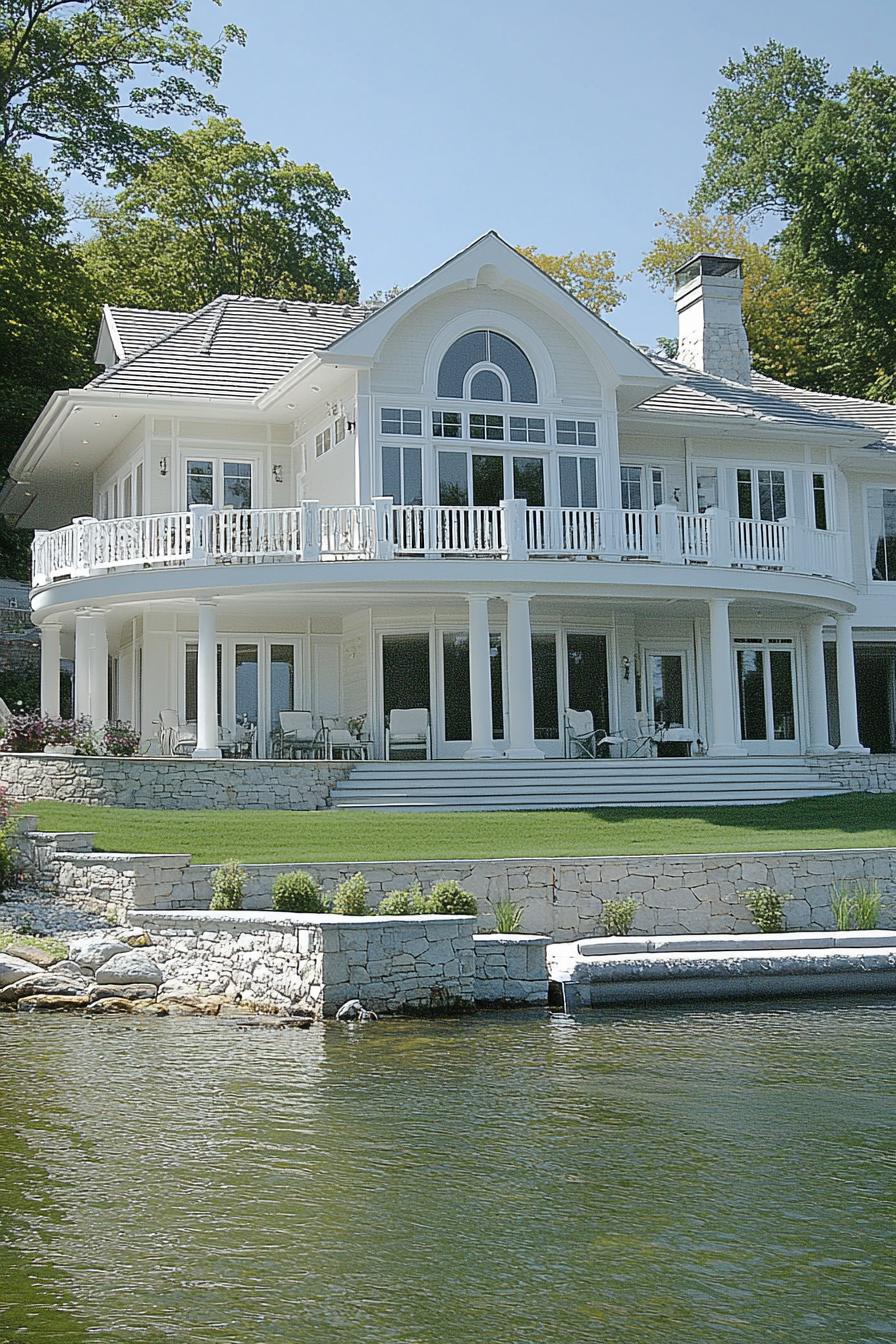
583 433
446 424
390 420
527 429
393 420
486 426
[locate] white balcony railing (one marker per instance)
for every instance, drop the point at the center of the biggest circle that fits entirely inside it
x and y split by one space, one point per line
383 530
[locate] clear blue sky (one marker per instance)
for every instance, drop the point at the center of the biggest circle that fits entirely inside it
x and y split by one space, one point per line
566 124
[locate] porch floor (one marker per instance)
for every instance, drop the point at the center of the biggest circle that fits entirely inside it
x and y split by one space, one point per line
474 786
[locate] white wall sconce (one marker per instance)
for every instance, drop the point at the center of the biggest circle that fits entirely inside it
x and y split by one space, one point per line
163 466
626 667
277 472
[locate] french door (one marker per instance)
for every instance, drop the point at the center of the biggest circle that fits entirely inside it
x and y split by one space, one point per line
766 689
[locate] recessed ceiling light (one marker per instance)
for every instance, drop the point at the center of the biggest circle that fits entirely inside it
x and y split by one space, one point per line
85 441
290 405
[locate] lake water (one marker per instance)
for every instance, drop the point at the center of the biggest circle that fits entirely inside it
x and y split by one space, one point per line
628 1176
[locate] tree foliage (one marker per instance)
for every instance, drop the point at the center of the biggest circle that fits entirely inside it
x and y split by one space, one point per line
820 158
220 214
590 277
89 76
775 312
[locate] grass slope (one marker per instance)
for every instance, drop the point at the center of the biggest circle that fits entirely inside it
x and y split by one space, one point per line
846 822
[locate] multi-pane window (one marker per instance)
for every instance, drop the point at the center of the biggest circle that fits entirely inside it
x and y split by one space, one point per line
447 425
632 492
236 485
581 433
393 420
323 442
707 480
486 426
761 493
527 429
578 483
882 533
200 482
339 429
819 501
402 474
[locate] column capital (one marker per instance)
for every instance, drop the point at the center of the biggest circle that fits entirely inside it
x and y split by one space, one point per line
518 597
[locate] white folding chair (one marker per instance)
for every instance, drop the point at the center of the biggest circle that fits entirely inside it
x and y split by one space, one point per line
408 731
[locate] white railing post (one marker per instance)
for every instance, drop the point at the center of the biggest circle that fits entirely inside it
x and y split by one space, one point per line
384 541
200 515
514 511
310 529
720 549
668 534
81 557
40 550
790 534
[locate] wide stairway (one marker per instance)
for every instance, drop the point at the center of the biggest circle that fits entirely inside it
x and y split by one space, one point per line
476 786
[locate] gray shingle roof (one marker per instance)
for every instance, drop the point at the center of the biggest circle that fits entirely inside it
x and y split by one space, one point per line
139 327
234 347
879 416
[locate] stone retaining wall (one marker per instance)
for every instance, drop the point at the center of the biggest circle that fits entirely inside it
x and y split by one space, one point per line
691 893
147 781
859 773
319 962
511 968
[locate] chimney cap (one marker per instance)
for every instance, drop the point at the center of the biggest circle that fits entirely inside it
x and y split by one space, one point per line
708 264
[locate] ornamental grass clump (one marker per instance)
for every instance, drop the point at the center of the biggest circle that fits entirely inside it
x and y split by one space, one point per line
350 897
508 916
617 917
228 886
856 905
449 898
766 905
297 894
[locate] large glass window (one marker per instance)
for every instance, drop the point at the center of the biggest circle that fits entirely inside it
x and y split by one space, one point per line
245 683
191 660
486 347
528 480
282 680
200 482
237 485
456 680
666 672
819 501
544 686
488 479
632 490
403 473
405 672
751 687
761 493
586 672
882 533
578 483
765 693
453 487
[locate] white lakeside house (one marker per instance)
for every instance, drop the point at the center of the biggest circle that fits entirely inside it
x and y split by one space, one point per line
479 500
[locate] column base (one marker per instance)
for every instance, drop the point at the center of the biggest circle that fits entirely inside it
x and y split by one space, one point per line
207 754
523 754
854 749
481 754
824 750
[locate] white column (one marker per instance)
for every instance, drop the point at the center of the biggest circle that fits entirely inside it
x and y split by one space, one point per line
521 703
83 625
816 688
723 738
481 744
98 696
207 684
50 657
846 687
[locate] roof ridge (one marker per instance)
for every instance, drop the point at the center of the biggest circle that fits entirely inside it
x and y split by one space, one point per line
153 345
207 341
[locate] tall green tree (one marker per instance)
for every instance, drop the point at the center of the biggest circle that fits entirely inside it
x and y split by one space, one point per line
93 78
776 314
220 214
590 277
820 158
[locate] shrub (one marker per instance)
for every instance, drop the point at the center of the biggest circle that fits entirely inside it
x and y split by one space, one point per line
617 917
856 905
120 739
228 884
395 903
449 898
350 897
508 916
32 732
297 893
767 908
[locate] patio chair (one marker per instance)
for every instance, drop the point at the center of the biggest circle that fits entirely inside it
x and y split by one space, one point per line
408 731
580 734
341 743
175 738
301 735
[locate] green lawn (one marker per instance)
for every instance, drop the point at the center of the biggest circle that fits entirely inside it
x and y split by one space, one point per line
851 821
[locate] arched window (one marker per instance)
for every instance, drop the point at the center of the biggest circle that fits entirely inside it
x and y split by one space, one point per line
486 347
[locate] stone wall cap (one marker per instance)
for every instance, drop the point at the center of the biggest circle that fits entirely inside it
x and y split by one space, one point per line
527 939
246 919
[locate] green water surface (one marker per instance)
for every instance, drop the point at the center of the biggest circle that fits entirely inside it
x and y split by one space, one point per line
624 1176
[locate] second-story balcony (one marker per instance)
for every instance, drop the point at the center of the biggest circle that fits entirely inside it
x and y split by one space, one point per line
510 531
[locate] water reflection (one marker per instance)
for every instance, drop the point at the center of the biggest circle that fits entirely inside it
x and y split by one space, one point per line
664 1175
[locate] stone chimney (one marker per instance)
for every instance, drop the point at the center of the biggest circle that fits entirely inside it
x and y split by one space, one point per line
711 334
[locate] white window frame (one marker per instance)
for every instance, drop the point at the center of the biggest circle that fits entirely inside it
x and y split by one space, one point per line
876 585
402 431
252 460
651 474
486 367
579 458
587 427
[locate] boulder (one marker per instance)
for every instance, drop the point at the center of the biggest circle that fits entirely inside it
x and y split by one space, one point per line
149 1009
185 1004
38 956
52 1003
42 982
131 967
114 1004
13 969
133 993
96 949
71 970
132 935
